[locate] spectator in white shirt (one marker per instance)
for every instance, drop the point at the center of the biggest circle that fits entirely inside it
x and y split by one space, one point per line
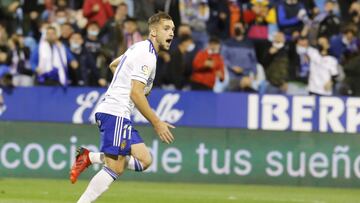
323 68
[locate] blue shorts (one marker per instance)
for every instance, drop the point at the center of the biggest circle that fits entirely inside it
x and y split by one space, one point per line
117 134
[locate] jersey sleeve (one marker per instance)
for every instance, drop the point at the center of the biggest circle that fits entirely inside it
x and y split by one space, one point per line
143 67
334 68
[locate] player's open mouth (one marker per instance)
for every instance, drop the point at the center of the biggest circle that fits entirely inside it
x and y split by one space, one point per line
168 41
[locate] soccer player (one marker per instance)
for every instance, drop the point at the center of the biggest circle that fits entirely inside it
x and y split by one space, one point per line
121 144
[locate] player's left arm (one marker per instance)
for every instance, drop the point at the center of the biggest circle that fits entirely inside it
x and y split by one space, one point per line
138 97
113 65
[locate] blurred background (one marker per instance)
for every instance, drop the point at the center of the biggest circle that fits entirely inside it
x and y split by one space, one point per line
261 91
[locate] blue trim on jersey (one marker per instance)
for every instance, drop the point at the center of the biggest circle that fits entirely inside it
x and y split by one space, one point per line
139 77
152 48
122 60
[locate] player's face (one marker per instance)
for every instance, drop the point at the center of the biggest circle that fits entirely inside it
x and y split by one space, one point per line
165 33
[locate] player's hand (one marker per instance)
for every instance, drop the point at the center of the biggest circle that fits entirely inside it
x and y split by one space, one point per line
162 129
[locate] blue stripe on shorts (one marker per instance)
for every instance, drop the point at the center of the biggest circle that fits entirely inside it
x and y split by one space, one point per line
117 134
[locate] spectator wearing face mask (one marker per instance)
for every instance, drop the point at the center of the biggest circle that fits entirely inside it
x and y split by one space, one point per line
299 61
87 74
94 46
207 66
61 17
240 59
276 64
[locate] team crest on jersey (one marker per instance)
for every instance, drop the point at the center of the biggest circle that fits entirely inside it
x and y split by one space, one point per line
123 144
145 69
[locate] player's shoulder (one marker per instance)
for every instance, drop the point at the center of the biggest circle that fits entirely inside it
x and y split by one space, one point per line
145 47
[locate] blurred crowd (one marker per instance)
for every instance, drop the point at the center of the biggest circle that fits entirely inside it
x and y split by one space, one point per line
264 46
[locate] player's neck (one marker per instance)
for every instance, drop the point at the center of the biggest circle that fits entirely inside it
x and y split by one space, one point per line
154 43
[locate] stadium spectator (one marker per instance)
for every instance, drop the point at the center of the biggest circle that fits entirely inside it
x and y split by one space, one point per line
323 69
345 45
172 8
51 60
344 9
143 9
290 17
258 18
177 70
20 63
276 64
329 21
195 14
299 66
94 46
351 85
99 11
112 34
4 62
207 66
219 19
87 74
240 60
131 33
183 29
66 30
164 56
261 21
92 42
61 16
234 15
355 13
5 53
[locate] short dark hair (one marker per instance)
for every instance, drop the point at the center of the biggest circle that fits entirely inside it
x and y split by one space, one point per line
184 38
130 19
215 40
350 28
156 18
93 23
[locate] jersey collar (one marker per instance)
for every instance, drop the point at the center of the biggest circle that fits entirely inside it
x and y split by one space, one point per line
152 48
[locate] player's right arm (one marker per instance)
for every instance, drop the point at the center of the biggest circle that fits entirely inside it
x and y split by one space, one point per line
138 97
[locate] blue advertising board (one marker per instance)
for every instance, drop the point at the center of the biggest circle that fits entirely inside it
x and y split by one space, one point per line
193 109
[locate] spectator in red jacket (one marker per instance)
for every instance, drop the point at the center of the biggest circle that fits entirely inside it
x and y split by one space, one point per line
208 64
98 10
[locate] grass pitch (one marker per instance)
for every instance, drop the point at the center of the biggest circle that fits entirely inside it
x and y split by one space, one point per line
61 191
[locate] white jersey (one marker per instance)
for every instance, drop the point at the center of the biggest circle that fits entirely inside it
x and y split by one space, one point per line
137 63
322 68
